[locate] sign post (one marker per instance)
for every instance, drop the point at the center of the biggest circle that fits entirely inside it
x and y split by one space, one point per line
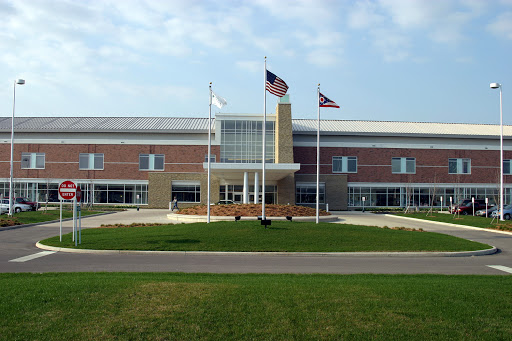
75 239
60 233
67 191
79 199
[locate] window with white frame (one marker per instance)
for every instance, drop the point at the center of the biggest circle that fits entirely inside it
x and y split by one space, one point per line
151 162
32 160
186 191
213 158
506 167
305 193
344 164
403 165
459 166
90 161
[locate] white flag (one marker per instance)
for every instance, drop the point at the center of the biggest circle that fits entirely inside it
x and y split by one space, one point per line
218 101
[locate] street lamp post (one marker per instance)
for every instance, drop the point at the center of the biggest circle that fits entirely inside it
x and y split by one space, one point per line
11 196
498 86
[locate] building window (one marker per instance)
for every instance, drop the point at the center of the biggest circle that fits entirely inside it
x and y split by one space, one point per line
242 140
506 167
213 158
459 166
186 191
344 164
403 165
90 161
151 162
32 160
305 193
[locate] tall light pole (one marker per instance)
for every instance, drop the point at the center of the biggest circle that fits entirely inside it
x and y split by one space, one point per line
11 196
496 86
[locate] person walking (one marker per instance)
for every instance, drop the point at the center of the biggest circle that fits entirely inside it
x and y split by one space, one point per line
175 204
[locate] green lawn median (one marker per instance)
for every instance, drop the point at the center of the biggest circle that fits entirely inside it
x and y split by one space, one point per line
32 217
250 236
467 220
170 306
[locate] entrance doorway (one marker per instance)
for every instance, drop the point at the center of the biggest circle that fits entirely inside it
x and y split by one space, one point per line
238 197
235 193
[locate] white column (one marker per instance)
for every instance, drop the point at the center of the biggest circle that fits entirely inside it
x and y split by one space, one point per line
246 188
256 187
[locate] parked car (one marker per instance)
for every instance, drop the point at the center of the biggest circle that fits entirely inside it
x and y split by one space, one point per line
507 212
465 206
225 202
22 200
16 207
482 212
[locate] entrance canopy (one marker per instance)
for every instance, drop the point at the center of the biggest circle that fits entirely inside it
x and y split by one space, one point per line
234 172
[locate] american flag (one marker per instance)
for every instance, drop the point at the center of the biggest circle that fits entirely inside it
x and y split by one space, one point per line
275 85
325 102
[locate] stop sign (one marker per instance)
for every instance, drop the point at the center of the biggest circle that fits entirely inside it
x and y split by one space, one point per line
67 190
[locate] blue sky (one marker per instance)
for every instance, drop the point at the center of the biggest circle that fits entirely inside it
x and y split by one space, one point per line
383 60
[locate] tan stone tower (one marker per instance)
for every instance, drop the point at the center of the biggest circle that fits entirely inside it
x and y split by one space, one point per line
284 152
284 135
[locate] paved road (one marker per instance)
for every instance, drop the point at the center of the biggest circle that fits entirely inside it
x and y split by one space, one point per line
18 243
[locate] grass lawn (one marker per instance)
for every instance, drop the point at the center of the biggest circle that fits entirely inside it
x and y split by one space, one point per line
31 217
468 220
251 236
169 306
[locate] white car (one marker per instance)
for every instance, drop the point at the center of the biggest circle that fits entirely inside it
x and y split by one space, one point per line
507 212
490 209
4 207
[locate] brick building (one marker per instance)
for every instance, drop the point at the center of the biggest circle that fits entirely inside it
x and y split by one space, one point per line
150 160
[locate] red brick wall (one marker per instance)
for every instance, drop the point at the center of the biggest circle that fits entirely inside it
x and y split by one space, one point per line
120 161
374 164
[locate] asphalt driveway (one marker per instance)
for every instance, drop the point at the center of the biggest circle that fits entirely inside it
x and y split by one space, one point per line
18 252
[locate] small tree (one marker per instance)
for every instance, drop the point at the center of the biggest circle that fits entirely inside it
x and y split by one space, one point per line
432 194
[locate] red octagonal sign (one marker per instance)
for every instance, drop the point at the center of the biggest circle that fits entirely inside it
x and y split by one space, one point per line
67 190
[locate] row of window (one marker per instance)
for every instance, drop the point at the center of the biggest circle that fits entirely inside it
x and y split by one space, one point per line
340 164
93 161
94 193
407 165
439 196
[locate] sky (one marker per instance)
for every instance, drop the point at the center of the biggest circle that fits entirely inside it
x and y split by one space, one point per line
379 60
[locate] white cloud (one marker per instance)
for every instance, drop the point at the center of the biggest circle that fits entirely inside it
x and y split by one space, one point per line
502 25
250 65
364 15
413 14
323 57
394 46
310 12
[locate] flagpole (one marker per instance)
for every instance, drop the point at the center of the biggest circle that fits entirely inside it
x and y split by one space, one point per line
209 149
264 156
318 157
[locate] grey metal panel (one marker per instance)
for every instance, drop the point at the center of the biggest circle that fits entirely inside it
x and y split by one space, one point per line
200 125
122 124
399 128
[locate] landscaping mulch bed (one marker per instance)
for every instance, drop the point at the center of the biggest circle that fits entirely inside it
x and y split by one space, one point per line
253 210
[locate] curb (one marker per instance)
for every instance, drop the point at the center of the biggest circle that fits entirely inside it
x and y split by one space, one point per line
182 218
289 254
14 227
453 225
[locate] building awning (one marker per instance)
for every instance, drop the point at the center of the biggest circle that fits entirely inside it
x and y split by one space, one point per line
235 171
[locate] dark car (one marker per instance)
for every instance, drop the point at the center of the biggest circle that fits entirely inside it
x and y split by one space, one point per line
465 207
22 200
